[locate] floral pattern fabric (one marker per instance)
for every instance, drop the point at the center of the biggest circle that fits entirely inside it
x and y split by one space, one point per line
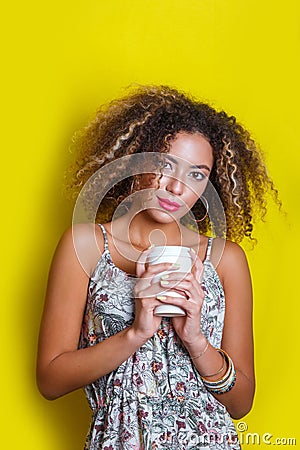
155 400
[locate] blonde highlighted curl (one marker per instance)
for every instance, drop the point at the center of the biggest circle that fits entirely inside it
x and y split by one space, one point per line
147 120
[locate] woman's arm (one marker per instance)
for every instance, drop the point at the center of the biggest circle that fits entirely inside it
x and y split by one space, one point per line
237 338
61 367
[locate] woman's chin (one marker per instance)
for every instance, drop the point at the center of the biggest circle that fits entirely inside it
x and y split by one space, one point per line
163 217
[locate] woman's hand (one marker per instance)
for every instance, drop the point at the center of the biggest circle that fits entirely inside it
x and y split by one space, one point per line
146 292
187 327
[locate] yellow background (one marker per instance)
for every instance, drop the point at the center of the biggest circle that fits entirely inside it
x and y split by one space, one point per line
61 60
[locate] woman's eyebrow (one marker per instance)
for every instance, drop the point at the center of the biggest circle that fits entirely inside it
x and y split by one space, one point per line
200 166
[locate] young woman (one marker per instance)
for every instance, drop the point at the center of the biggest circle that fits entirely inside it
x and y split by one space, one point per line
157 382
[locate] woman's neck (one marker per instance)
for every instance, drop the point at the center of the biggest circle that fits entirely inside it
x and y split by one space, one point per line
143 231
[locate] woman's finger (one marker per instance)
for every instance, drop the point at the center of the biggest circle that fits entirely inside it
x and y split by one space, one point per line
149 291
182 281
197 267
140 264
192 308
147 271
186 290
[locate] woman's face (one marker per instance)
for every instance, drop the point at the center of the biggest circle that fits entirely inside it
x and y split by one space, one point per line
185 171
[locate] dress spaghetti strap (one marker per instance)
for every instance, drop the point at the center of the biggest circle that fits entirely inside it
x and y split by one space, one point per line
208 250
104 237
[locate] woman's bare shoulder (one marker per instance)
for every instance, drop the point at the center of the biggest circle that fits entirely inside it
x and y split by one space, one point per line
228 256
86 241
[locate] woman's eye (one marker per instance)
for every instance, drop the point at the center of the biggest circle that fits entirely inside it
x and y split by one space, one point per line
197 175
165 165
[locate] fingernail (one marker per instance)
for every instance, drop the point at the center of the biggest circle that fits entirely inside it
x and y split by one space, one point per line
161 297
175 266
164 283
164 277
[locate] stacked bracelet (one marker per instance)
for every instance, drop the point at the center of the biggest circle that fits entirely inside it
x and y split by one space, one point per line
225 383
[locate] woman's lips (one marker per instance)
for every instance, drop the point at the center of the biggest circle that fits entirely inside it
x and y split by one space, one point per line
168 205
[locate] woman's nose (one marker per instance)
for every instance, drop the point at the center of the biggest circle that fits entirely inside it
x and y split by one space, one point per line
175 186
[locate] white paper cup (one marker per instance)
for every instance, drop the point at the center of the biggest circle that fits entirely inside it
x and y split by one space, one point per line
174 254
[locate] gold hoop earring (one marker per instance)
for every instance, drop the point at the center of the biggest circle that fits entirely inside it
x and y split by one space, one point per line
205 202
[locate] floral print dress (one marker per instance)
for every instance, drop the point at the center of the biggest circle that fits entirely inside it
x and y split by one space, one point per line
154 400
